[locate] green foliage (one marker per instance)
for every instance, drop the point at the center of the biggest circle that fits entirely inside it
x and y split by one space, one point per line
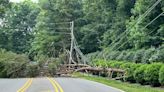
139 74
39 30
147 55
130 72
18 27
138 56
121 56
129 56
114 55
32 70
125 86
99 24
52 29
115 64
100 63
161 75
92 56
141 36
4 7
152 74
12 65
53 66
158 56
129 68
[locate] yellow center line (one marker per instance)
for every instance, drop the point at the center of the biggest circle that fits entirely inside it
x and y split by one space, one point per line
60 88
23 86
26 85
53 84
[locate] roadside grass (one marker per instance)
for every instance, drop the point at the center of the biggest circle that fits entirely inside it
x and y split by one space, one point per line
127 87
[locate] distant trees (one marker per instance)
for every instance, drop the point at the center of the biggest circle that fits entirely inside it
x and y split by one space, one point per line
18 27
52 36
120 30
135 32
99 24
142 34
4 6
114 24
117 26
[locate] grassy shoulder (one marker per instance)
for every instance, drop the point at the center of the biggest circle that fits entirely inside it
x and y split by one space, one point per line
127 87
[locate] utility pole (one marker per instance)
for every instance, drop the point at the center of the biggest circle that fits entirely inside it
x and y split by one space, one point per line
72 41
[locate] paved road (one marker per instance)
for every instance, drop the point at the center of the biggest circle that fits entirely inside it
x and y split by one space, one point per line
53 85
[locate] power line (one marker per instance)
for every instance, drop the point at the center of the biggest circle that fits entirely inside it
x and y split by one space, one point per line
149 10
153 20
61 33
138 21
58 23
50 22
151 23
143 29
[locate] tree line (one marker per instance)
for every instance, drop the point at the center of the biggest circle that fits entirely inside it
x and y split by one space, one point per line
131 28
99 24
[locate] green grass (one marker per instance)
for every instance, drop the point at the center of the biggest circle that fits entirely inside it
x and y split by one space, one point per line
127 87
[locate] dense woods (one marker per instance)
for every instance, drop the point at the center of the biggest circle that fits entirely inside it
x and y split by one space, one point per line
122 30
103 24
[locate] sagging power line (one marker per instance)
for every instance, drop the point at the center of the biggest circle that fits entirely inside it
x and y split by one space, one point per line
143 29
138 21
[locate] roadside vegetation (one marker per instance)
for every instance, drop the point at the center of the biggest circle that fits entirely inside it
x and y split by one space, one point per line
145 74
127 87
14 65
145 56
125 34
11 64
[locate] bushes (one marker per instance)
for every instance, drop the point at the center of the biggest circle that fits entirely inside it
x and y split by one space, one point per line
152 74
161 75
32 70
52 67
138 56
129 68
140 73
52 63
129 56
121 56
12 64
115 64
130 72
146 56
99 63
114 55
158 56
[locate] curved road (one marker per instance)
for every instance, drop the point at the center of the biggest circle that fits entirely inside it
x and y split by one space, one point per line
53 85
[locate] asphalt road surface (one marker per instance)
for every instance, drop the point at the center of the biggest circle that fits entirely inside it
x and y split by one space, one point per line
53 85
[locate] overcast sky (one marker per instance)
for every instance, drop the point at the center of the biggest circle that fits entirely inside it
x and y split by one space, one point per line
21 0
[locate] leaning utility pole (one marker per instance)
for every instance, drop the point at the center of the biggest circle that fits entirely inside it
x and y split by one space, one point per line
72 41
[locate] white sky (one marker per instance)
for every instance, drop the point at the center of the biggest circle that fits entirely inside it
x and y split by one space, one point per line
21 0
